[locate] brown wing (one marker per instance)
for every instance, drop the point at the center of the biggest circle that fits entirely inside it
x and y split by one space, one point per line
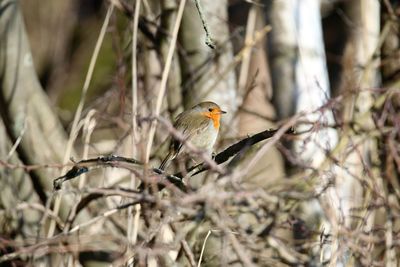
197 124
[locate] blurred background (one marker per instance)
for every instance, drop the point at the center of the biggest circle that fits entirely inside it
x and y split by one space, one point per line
327 195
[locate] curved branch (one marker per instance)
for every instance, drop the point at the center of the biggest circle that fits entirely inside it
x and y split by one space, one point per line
84 166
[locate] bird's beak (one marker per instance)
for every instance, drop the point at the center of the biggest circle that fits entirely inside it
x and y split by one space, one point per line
222 112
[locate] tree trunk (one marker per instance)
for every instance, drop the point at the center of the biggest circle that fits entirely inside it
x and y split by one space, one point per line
301 85
360 72
206 73
25 109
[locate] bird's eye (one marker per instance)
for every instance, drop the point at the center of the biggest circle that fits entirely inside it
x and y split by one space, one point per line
210 109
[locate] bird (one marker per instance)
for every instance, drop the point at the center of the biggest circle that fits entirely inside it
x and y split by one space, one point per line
199 126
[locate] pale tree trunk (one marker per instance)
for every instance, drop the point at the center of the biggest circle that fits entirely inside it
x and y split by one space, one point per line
361 75
298 68
301 85
54 22
18 198
282 55
207 73
25 103
27 115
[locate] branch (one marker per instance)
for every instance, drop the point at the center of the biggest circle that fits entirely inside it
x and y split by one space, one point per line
209 41
128 11
235 149
84 166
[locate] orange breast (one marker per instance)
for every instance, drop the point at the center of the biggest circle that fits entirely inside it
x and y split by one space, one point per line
215 118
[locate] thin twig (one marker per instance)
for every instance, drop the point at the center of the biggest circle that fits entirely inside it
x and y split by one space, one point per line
163 84
17 142
209 41
83 166
133 225
246 59
203 247
188 252
74 128
258 35
88 127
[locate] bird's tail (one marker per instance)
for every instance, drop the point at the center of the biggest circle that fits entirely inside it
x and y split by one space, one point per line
167 160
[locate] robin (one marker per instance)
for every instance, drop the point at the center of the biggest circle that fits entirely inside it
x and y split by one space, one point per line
199 125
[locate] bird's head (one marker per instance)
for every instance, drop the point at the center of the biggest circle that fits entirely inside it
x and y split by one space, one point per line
210 110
